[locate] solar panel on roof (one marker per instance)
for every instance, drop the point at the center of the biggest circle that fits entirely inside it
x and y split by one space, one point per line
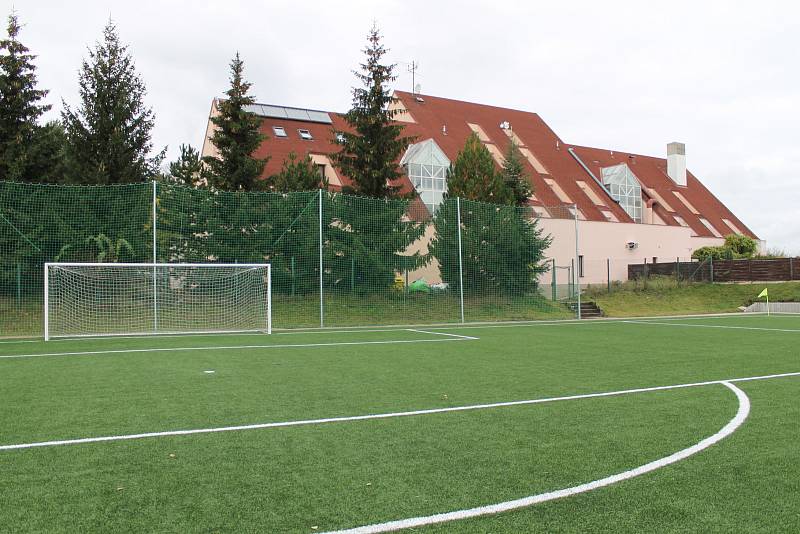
254 108
277 112
297 114
319 116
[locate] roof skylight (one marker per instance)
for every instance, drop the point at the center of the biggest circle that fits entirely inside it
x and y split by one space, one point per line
279 131
305 134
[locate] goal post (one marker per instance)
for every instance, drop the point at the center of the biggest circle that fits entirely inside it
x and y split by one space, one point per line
115 299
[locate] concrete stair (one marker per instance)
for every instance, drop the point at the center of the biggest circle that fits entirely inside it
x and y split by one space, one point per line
589 310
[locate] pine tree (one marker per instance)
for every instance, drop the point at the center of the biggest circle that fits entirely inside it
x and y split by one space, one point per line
236 136
187 169
47 154
473 175
297 175
19 106
514 177
370 153
109 135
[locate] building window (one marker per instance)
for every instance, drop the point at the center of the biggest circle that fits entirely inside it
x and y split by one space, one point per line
321 172
279 131
580 266
624 187
305 134
426 167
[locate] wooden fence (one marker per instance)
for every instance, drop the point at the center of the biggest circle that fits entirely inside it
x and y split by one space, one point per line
753 270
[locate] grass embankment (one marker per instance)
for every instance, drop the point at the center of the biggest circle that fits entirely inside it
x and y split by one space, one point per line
665 296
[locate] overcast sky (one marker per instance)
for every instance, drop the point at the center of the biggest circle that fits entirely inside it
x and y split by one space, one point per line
629 76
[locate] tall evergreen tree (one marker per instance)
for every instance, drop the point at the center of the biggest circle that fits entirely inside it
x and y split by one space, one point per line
473 175
109 134
20 106
514 177
297 174
369 154
236 137
187 169
47 154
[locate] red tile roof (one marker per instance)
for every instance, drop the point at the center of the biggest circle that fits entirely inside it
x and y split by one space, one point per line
447 122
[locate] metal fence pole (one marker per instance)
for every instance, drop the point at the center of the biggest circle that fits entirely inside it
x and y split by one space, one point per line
577 262
460 261
553 283
155 259
608 273
711 268
321 300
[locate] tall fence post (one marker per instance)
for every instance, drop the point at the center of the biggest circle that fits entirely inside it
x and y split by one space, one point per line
711 268
460 261
791 268
577 262
553 280
321 299
155 258
608 273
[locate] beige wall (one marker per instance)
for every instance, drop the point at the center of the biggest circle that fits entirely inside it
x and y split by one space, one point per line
599 242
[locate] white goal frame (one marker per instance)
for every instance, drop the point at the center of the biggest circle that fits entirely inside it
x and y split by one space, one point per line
267 302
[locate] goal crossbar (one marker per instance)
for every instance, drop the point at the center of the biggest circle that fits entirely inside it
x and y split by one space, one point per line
92 299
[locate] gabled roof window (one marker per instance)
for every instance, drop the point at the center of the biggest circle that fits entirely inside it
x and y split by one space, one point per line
305 134
279 131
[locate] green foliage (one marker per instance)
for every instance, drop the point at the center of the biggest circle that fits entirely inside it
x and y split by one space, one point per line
514 176
736 247
20 108
109 134
502 248
366 240
97 248
236 136
187 169
473 175
741 245
47 154
369 154
502 245
297 175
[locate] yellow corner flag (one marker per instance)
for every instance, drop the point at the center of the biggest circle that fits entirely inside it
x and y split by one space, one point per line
764 293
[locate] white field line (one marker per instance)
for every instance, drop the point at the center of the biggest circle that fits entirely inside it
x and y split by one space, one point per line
437 326
305 422
764 329
234 347
441 334
727 430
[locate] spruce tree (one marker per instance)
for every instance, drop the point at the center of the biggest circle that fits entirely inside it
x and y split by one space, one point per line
20 106
297 174
236 137
370 153
514 177
187 169
473 175
46 156
109 134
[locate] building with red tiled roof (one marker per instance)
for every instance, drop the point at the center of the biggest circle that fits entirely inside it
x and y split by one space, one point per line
631 208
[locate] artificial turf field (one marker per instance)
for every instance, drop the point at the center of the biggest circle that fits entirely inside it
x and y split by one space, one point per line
83 449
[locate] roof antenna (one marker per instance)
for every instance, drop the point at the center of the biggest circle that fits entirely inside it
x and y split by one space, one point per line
412 68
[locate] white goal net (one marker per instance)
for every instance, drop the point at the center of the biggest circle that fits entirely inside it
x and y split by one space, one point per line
107 299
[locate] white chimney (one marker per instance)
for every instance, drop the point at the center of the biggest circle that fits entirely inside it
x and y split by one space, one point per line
676 162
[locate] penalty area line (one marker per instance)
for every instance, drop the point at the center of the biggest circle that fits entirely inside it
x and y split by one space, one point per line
305 422
441 334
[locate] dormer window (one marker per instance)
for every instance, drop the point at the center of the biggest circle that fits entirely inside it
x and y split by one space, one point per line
305 134
624 187
279 131
426 166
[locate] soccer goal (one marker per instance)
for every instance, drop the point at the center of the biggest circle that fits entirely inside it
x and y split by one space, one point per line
114 299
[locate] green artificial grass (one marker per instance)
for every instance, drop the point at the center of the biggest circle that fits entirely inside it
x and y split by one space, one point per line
345 474
663 296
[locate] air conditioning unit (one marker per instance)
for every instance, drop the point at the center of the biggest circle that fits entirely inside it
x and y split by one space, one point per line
630 245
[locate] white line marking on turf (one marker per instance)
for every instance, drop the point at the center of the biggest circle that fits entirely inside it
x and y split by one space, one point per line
235 347
727 430
765 329
305 422
440 334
